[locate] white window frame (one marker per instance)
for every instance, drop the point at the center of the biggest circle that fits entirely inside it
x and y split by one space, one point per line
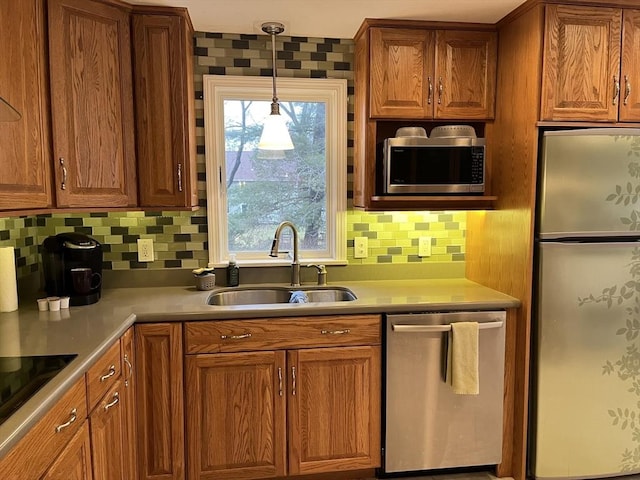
333 92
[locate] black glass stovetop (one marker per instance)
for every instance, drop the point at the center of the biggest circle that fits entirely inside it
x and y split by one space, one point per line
22 377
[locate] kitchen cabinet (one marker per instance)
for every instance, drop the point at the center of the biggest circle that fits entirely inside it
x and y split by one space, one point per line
441 74
165 107
411 73
25 154
159 398
107 434
130 439
591 67
92 104
293 396
74 463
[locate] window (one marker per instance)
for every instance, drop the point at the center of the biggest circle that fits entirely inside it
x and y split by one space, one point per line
250 191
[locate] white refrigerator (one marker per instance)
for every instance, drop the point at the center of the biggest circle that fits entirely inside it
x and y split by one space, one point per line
585 417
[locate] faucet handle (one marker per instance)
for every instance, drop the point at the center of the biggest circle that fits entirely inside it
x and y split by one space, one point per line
322 273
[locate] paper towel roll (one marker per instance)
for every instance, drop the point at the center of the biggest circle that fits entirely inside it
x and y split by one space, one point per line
8 283
10 342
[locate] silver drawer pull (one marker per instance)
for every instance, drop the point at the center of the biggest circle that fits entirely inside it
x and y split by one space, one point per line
335 332
72 418
112 403
398 327
63 183
126 360
112 372
293 383
235 337
280 380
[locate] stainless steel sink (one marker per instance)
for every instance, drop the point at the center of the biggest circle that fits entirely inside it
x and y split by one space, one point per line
270 295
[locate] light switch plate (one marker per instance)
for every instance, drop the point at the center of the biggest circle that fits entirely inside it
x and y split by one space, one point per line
424 246
145 250
360 247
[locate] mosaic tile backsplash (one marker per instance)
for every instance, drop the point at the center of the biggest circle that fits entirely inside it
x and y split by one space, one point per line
180 238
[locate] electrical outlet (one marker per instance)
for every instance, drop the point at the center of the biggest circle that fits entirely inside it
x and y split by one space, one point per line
145 250
360 247
424 246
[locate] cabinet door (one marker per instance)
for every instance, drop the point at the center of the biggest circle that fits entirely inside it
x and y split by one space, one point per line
159 394
236 415
74 463
465 74
92 104
25 154
401 70
165 116
107 450
581 63
630 88
129 406
334 409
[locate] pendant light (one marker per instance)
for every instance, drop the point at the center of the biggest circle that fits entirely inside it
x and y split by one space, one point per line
275 135
7 112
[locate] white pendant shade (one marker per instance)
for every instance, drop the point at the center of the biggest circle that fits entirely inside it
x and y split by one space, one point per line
275 135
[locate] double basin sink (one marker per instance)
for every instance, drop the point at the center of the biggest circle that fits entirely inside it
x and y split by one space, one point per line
267 295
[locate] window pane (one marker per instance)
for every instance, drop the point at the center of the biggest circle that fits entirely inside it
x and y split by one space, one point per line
265 188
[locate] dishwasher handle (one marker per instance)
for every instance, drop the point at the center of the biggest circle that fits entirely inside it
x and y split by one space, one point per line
403 328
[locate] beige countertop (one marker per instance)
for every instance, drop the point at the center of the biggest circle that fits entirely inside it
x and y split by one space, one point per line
89 330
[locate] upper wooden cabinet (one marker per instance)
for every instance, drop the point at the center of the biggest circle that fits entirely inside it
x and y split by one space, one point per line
441 74
591 69
25 153
165 107
92 104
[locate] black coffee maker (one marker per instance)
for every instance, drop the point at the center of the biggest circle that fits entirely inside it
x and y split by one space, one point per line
72 264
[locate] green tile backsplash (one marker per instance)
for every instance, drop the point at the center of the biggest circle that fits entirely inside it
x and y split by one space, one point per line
180 238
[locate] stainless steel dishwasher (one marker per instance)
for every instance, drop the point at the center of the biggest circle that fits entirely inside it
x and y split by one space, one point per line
427 426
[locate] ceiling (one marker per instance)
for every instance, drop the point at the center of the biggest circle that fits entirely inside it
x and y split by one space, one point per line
329 18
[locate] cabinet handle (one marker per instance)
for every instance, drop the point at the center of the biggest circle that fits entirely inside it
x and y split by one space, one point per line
627 89
235 337
112 372
179 177
616 89
72 418
112 403
440 90
63 184
293 377
126 360
429 90
280 380
335 332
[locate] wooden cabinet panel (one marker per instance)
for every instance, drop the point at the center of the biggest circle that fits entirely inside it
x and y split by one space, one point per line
270 334
401 71
130 439
334 409
92 104
102 375
160 393
45 438
74 463
165 112
630 70
236 415
466 74
25 154
107 449
581 63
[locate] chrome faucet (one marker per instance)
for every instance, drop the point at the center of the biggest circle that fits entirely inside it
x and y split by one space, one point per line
295 264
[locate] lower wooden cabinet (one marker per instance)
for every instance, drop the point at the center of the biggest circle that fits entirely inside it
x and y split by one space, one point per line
74 463
107 427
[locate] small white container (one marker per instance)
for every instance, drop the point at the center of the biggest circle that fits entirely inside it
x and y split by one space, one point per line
43 304
64 302
54 304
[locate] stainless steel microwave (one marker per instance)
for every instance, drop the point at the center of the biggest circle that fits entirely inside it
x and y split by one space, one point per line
432 166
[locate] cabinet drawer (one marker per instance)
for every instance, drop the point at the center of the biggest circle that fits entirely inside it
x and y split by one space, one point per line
276 333
44 442
103 375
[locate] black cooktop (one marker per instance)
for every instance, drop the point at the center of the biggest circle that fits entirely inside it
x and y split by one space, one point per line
22 377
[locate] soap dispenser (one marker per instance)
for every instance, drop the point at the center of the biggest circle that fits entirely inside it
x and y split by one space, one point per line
233 272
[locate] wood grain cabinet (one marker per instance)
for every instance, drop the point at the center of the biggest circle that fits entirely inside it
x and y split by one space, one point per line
591 69
165 107
425 74
276 397
92 104
107 424
74 463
